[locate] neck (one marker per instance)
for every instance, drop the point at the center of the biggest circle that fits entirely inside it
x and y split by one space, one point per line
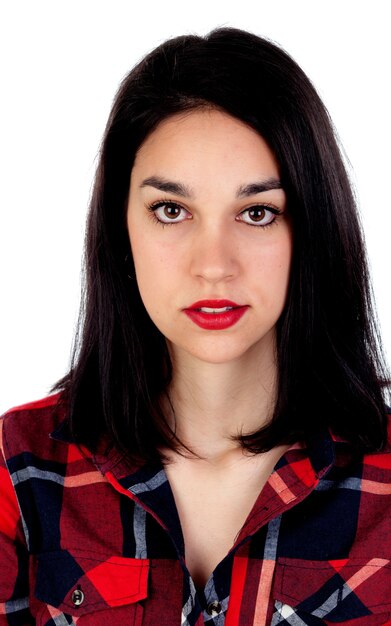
214 402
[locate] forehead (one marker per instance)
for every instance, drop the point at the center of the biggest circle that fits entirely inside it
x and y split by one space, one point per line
205 140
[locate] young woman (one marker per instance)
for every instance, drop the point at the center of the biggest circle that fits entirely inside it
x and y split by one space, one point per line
218 452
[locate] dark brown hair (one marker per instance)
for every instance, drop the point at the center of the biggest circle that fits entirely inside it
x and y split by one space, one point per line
330 365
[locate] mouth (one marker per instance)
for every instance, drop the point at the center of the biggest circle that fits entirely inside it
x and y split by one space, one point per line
213 306
215 314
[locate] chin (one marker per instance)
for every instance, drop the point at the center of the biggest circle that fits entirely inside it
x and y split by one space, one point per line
221 350
217 359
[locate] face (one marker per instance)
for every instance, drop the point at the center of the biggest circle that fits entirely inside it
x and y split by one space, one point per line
210 235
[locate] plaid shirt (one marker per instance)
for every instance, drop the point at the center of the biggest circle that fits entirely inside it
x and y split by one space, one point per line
89 540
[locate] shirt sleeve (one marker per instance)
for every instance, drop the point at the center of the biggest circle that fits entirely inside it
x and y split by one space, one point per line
14 556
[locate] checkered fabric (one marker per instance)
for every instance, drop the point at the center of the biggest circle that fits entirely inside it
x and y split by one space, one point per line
91 540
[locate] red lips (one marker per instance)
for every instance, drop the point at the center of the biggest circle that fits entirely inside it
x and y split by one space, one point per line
214 318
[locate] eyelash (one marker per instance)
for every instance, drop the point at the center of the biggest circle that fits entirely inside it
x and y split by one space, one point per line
152 208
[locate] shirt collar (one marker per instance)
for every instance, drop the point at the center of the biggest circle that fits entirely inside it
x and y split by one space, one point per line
320 449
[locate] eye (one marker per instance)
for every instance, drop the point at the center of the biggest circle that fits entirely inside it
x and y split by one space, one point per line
260 215
169 212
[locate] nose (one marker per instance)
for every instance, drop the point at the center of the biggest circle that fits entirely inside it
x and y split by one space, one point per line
213 255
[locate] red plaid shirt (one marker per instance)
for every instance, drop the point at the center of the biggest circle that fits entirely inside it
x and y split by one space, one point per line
90 540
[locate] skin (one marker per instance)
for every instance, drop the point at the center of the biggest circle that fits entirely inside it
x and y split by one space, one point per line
223 380
211 253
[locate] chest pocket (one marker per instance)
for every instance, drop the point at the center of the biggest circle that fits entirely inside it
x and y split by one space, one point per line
89 589
346 591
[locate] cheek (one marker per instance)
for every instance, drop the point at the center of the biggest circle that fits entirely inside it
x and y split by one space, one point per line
155 259
273 273
145 264
284 271
155 269
283 260
144 254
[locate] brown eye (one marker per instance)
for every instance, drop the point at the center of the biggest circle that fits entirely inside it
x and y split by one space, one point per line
169 212
257 214
260 216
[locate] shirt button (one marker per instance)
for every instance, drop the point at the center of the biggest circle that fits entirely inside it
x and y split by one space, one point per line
77 597
214 608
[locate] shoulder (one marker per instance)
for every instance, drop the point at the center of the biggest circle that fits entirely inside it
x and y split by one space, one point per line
370 475
383 457
377 468
27 428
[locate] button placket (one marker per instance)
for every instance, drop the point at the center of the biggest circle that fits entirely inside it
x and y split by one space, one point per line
77 597
213 608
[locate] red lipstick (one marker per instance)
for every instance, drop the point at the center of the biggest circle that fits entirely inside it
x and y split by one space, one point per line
215 314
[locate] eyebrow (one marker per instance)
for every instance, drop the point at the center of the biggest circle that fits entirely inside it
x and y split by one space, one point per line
182 190
258 187
167 185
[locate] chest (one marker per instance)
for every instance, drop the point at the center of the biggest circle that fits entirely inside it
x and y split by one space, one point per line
212 508
316 545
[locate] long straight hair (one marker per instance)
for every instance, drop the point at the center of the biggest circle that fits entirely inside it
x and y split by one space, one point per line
331 372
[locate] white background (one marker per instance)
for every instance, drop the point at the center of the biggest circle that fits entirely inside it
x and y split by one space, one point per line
61 63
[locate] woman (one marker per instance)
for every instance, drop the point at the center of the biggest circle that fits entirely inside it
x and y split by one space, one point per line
218 451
